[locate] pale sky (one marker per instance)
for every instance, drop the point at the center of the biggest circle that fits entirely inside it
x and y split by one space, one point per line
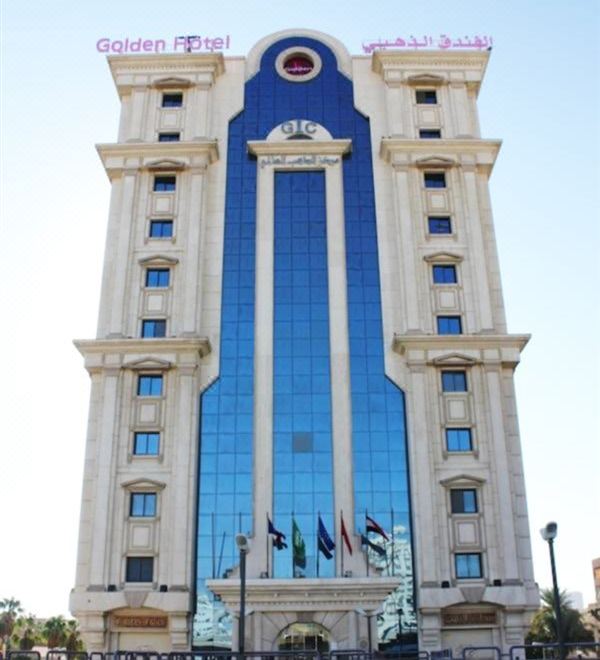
540 96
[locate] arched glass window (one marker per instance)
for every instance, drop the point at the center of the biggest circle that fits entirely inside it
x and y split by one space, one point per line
304 637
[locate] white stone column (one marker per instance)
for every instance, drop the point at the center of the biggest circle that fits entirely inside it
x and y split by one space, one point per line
422 479
461 110
407 249
502 471
136 114
199 111
177 549
104 495
477 252
190 283
263 370
339 342
120 262
396 106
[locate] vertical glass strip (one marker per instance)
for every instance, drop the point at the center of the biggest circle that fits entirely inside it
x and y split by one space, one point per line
225 463
303 474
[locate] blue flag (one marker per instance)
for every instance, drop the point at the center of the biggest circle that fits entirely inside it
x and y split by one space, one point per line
325 543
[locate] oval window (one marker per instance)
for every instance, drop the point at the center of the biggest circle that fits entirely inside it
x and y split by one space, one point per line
298 65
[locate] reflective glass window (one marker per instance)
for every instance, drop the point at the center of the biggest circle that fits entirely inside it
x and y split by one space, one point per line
302 398
439 224
169 137
458 440
454 381
426 96
161 228
146 444
434 179
449 325
139 569
150 385
463 500
468 565
142 505
164 183
153 328
157 277
430 133
444 274
172 100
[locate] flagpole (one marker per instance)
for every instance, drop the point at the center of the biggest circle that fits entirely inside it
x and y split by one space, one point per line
317 541
393 548
267 544
293 564
367 537
212 541
342 539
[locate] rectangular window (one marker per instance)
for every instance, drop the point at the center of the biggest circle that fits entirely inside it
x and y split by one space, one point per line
432 179
426 96
444 274
150 385
169 137
468 565
454 381
158 277
459 440
164 183
463 500
154 328
142 505
430 133
146 444
172 100
449 325
439 224
139 569
161 228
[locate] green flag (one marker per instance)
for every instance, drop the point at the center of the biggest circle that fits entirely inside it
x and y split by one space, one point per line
299 546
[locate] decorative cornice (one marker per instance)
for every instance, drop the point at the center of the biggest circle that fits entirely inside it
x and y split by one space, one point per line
172 82
147 363
461 478
308 594
118 157
402 152
426 79
456 350
159 70
133 484
447 257
398 67
142 354
157 259
299 147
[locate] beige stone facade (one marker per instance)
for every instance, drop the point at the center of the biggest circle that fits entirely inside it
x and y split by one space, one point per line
452 612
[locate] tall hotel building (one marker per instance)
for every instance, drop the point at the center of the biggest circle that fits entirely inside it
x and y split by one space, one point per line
302 320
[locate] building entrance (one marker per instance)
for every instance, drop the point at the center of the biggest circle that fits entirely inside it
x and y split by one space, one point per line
304 637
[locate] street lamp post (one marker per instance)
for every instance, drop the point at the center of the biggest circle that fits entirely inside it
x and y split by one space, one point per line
241 541
400 612
549 534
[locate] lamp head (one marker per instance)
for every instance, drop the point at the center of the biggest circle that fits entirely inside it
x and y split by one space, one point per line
549 531
241 540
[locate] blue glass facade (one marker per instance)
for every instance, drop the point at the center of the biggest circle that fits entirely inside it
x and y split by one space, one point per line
303 477
379 437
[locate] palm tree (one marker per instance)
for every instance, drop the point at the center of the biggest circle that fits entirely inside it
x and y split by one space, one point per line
55 632
543 626
10 608
73 642
26 632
